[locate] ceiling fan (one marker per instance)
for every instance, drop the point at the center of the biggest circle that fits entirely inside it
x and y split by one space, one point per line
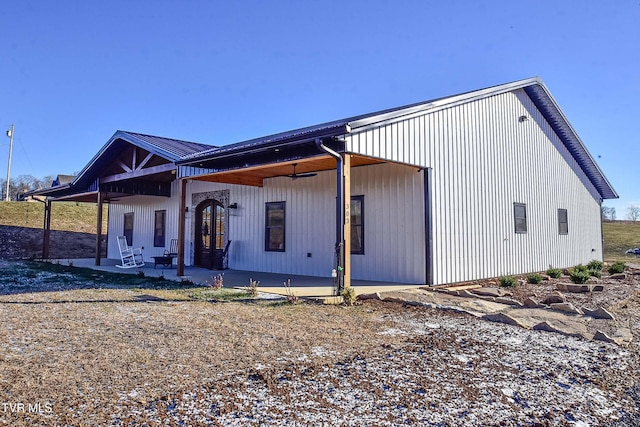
295 175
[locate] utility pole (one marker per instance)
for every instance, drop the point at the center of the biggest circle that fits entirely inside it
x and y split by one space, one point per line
10 135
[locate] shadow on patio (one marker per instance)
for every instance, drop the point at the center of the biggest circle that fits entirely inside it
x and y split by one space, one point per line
304 286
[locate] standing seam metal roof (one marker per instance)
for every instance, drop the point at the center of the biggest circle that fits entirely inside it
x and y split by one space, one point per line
534 87
176 147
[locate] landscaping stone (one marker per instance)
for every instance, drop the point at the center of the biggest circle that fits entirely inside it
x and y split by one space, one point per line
598 288
601 336
566 307
599 313
531 303
621 337
504 318
374 296
579 288
550 327
555 297
509 301
485 298
489 292
618 276
574 288
465 293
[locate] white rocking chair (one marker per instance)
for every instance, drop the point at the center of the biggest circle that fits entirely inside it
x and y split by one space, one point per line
131 257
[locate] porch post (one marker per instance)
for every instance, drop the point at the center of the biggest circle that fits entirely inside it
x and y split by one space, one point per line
46 229
346 167
181 224
99 229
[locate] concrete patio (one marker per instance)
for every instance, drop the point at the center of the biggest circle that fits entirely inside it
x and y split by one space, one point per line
304 286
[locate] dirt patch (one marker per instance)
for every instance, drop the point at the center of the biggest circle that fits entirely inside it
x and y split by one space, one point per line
26 243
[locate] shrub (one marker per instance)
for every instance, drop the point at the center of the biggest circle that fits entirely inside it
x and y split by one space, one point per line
595 265
349 296
291 297
580 267
554 273
534 278
579 276
252 290
595 273
217 281
508 282
616 267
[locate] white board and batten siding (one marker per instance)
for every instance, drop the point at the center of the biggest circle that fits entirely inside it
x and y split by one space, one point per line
143 209
483 160
394 223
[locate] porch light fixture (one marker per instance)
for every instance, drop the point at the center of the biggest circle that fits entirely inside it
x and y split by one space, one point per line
233 206
523 119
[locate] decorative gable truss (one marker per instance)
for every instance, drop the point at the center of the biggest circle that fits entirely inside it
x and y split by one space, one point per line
138 172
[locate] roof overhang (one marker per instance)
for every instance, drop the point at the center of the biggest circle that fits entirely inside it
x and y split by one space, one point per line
545 103
255 175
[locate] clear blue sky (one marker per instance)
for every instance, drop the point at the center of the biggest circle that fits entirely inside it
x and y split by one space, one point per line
74 72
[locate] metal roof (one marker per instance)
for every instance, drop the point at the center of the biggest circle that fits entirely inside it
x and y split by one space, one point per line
167 148
192 153
534 87
176 148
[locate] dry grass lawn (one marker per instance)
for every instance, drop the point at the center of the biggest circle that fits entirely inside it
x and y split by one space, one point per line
91 359
89 349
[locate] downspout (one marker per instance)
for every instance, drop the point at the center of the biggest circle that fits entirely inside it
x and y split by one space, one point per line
339 247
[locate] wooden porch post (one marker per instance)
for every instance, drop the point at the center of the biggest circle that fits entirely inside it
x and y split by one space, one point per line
46 229
346 160
181 224
99 229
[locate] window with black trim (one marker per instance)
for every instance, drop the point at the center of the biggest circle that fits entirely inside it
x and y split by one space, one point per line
274 236
159 229
357 225
520 217
563 222
128 228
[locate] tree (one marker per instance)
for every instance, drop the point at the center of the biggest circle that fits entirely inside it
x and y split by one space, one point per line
608 214
23 183
633 212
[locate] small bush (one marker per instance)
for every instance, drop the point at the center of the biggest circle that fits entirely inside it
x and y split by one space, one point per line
595 273
291 297
349 296
508 282
595 265
616 267
555 273
252 290
534 278
217 281
579 276
580 267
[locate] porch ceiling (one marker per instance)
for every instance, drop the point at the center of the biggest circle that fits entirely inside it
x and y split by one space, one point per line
255 175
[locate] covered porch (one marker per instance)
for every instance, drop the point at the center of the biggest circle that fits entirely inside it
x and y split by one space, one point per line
302 286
